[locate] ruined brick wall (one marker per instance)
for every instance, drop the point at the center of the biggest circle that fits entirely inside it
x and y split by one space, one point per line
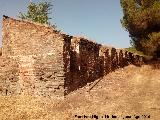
89 53
42 75
9 74
90 61
38 60
84 63
26 38
42 56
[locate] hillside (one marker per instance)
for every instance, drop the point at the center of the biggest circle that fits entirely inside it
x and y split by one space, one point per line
128 91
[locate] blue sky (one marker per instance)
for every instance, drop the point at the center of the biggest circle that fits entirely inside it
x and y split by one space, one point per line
99 20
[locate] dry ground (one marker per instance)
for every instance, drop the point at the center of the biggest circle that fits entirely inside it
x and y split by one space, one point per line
130 91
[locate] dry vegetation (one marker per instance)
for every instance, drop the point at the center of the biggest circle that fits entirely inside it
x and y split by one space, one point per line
129 91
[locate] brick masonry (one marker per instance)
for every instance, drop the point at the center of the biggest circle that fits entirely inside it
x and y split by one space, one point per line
38 60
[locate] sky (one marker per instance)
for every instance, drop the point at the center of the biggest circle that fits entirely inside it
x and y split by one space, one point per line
98 20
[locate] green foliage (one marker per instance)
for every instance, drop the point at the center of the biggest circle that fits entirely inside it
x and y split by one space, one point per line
133 50
142 20
37 12
153 42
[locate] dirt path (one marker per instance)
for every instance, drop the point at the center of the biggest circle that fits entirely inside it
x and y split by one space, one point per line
132 91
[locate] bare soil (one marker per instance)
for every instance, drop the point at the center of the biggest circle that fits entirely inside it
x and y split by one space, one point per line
128 92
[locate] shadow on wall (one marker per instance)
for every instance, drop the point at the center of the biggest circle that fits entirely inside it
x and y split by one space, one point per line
90 61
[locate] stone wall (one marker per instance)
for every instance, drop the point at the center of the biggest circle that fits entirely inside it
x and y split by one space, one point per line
27 38
9 76
41 75
38 60
42 56
84 65
90 61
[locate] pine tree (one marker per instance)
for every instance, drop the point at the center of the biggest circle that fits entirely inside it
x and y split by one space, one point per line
142 20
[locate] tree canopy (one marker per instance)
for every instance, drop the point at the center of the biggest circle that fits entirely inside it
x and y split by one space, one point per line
142 20
37 12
